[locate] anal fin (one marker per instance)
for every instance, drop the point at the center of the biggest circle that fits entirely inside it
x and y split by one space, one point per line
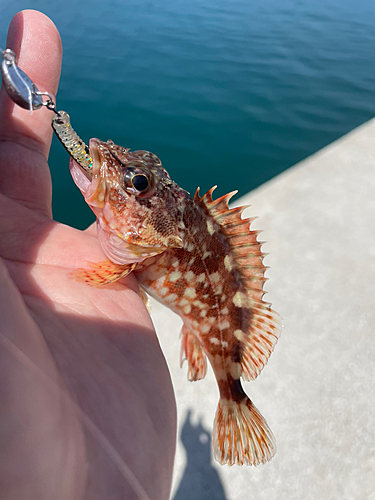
102 273
191 350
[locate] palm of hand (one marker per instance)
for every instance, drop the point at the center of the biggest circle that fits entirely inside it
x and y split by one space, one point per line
85 389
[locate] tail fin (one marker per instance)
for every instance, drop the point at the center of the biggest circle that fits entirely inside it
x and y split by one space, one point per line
241 435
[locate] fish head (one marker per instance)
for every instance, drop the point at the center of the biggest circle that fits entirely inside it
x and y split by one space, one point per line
136 204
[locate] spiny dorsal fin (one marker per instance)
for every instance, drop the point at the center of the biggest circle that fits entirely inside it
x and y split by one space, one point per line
247 260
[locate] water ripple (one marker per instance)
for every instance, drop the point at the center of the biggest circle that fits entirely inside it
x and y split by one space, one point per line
212 87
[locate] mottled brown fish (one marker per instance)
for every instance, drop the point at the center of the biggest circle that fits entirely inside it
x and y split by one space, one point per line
199 258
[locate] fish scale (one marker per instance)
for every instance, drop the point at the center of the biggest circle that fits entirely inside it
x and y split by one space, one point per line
200 259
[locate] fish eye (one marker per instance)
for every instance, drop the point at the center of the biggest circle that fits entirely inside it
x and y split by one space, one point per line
140 182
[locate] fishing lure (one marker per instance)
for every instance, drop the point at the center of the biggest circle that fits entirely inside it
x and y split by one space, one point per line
196 256
23 91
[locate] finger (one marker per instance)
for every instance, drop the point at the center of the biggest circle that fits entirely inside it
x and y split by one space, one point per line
25 139
36 42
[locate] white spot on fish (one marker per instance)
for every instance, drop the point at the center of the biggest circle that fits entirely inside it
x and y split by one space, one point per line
206 255
201 278
240 299
195 324
239 334
205 328
190 293
190 247
225 310
227 263
171 298
224 344
224 325
189 276
174 276
200 304
214 340
187 309
210 227
215 277
191 261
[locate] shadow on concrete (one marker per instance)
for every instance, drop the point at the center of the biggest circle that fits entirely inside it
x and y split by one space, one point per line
200 480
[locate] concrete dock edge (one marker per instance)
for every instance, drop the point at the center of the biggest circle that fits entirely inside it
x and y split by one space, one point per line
317 391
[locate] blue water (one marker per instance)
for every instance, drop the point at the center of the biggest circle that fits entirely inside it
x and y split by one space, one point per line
227 92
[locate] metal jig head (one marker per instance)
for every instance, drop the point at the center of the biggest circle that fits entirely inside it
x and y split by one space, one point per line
18 85
23 91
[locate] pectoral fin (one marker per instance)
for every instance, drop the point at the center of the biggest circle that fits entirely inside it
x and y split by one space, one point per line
102 273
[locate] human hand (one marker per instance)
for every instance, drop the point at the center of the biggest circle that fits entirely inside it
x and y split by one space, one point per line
87 407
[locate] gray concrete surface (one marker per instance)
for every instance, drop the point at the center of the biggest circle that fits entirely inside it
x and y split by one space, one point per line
317 391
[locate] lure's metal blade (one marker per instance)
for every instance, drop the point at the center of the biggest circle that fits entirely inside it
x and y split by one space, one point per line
18 85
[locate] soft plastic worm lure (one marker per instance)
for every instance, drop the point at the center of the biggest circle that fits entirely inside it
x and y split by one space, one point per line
71 141
22 90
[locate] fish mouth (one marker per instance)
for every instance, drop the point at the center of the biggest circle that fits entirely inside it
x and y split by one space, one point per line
83 176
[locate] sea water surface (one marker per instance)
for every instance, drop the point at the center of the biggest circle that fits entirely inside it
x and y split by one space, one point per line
226 92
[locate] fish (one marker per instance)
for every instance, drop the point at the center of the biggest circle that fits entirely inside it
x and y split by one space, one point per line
201 259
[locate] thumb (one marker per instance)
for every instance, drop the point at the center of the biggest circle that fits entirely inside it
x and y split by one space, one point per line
25 139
